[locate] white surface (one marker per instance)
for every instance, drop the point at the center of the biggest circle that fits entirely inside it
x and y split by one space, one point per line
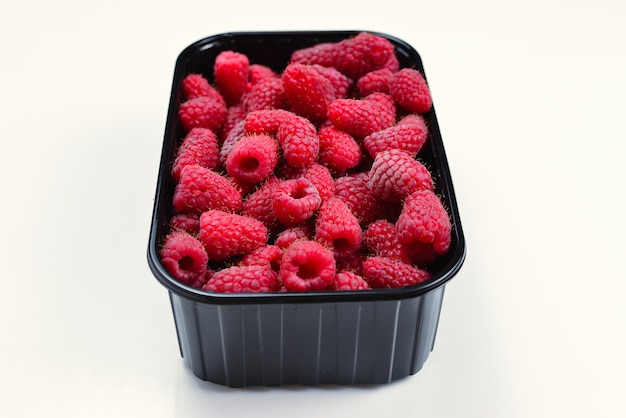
531 101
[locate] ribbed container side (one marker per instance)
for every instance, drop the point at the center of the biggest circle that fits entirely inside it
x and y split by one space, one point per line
342 343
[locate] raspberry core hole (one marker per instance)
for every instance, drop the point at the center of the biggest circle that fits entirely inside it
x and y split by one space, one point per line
186 263
249 164
299 193
308 271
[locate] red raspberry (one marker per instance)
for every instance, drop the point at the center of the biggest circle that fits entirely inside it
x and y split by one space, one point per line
336 227
341 84
307 265
231 75
374 82
339 151
244 279
295 233
202 112
184 257
295 201
198 147
234 116
268 93
308 91
268 255
361 117
299 141
392 64
424 226
234 135
410 91
317 174
252 159
266 121
188 222
347 280
226 234
321 54
381 239
195 85
201 189
354 190
259 72
382 272
395 175
361 54
258 204
408 135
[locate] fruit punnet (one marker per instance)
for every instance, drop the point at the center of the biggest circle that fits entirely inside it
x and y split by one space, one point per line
305 180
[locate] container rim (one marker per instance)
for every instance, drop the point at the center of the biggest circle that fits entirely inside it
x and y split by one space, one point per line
446 272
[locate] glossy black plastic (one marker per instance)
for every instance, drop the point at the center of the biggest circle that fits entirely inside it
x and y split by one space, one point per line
356 337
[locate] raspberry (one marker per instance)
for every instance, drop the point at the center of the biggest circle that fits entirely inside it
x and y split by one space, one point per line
307 265
235 114
231 75
253 158
259 72
184 257
308 91
336 227
348 280
268 93
268 255
320 54
295 201
201 189
341 84
198 147
395 175
410 91
361 54
339 151
374 82
382 272
299 141
226 234
424 226
266 121
258 204
195 85
408 135
354 190
317 174
234 135
295 233
244 279
188 222
392 64
202 112
361 117
381 239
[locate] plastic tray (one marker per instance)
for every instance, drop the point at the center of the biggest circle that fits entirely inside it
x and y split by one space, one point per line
355 337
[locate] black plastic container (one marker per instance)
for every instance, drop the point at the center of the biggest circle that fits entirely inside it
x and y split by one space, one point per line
355 337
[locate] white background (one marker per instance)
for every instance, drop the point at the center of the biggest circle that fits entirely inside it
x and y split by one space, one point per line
531 100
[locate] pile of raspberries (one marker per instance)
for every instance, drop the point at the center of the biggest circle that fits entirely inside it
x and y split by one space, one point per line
305 180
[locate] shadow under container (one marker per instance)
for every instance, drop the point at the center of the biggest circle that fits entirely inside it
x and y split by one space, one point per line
326 337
